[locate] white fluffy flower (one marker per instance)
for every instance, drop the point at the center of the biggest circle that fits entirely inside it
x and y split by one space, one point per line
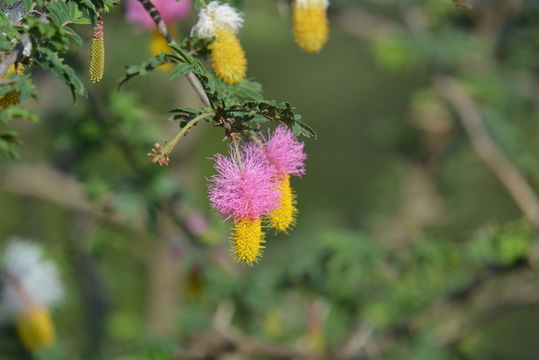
309 3
28 279
216 15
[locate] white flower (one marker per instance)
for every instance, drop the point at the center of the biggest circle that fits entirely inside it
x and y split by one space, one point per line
28 279
310 3
216 15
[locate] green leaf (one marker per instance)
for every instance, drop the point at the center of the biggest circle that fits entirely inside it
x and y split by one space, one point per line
22 84
9 143
63 13
17 111
180 69
74 36
296 129
27 5
49 34
306 130
142 69
184 114
279 112
50 60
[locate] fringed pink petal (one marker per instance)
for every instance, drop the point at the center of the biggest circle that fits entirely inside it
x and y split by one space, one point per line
246 193
285 153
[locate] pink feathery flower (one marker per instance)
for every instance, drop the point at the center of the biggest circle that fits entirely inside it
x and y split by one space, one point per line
285 153
170 10
245 191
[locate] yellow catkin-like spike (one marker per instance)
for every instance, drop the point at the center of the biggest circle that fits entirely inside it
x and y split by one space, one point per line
159 44
35 328
97 53
310 25
284 216
248 238
227 57
12 97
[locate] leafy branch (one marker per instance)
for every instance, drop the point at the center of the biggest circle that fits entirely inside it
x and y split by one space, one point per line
234 107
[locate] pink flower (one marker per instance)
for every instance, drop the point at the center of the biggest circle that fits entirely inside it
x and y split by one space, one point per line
170 10
243 193
285 153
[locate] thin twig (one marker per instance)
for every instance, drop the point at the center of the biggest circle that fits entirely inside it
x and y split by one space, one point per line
162 28
167 149
487 150
237 152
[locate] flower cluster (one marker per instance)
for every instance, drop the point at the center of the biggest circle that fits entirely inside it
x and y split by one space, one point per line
254 183
31 286
220 23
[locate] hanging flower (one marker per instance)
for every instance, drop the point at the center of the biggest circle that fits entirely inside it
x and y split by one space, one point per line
171 11
286 157
310 24
243 189
221 22
13 97
97 53
31 286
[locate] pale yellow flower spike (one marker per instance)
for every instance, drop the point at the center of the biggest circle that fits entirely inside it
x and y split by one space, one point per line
12 97
35 328
284 216
248 238
221 22
97 53
310 24
227 57
159 44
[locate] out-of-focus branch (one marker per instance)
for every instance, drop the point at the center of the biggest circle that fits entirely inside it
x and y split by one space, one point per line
162 28
217 345
360 341
227 340
365 25
45 183
487 150
90 283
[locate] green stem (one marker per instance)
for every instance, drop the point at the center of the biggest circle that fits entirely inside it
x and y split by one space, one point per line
237 151
170 146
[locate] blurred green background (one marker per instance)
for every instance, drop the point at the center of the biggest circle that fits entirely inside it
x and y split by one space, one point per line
405 239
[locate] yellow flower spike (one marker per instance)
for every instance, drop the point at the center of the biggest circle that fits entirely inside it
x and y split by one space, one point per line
247 240
35 328
159 44
12 97
310 24
220 22
227 57
97 53
284 216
